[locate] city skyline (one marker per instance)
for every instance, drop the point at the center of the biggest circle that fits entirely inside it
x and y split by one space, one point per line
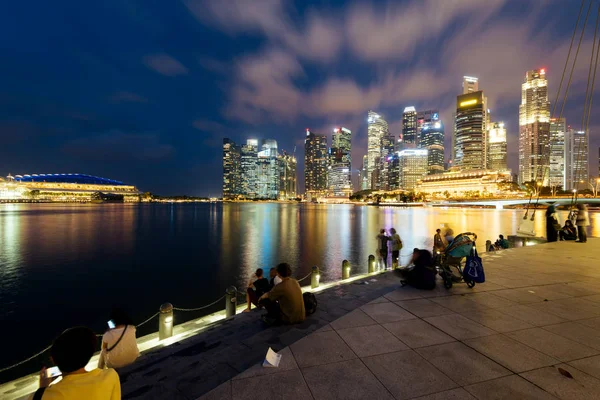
150 100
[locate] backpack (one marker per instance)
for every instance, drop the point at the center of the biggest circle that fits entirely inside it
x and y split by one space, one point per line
310 303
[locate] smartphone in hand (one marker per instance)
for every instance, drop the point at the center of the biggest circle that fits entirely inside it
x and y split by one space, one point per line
111 324
52 372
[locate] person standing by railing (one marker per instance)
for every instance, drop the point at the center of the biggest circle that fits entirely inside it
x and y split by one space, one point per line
582 221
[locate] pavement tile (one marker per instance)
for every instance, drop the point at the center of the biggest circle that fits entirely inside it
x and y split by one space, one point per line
552 344
349 379
417 333
423 307
459 327
503 349
325 328
580 387
592 322
352 320
287 363
590 365
531 315
509 387
321 348
379 300
490 300
577 332
386 312
462 364
371 340
524 295
459 303
282 385
221 392
454 394
570 309
497 320
404 293
406 374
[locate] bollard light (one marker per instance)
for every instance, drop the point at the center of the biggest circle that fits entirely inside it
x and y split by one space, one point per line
315 277
165 321
345 269
230 301
371 264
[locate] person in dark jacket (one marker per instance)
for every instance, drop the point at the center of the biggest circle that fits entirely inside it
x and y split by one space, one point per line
552 224
568 232
422 273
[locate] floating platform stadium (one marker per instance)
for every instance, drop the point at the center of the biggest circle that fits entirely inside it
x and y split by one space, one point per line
67 188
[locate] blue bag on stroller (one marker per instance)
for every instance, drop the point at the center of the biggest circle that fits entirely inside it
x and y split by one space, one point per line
473 270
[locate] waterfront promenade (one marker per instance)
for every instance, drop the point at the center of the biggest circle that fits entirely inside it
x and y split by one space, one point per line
506 339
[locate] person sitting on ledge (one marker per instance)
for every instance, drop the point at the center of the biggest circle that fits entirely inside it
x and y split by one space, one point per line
284 303
420 272
71 352
275 279
501 243
119 345
257 286
568 232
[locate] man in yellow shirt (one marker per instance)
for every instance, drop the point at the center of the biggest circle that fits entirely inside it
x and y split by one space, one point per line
284 303
71 352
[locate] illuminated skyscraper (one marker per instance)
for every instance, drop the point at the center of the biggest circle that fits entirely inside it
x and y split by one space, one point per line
231 169
364 180
287 176
425 118
470 131
249 168
412 167
496 147
268 171
576 160
470 84
409 128
340 163
432 140
377 128
315 165
534 128
558 127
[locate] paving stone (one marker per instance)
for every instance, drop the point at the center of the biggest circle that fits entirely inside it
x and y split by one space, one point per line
459 303
570 309
404 293
503 350
379 300
497 320
531 315
454 394
386 312
577 332
520 295
282 385
221 392
462 364
321 348
344 380
287 363
406 374
509 387
552 344
352 320
459 327
580 387
590 365
371 340
417 333
490 300
423 308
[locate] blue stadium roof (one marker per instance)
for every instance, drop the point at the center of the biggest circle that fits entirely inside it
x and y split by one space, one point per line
66 178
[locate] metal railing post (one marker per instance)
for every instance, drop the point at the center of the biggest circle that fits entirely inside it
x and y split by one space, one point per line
315 277
230 301
165 321
345 269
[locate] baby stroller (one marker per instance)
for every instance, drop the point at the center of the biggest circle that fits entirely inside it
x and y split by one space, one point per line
449 262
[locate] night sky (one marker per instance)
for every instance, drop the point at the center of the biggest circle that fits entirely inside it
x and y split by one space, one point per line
144 90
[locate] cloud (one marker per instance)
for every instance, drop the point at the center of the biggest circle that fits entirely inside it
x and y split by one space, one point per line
127 97
118 146
165 65
213 131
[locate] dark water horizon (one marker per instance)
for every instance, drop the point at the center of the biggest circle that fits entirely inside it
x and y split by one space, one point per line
63 265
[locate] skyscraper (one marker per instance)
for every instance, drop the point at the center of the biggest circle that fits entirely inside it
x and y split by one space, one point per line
412 167
425 117
315 165
470 131
249 168
268 171
287 176
409 127
432 140
470 84
534 128
364 180
576 160
377 127
558 127
496 147
231 169
340 163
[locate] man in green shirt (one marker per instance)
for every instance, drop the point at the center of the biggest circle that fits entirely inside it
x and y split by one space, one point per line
284 303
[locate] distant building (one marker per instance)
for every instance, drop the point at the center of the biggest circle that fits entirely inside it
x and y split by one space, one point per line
231 169
268 171
409 127
377 128
315 165
465 183
470 131
340 163
287 177
470 84
425 118
249 168
534 128
576 160
558 128
496 147
432 140
364 180
412 166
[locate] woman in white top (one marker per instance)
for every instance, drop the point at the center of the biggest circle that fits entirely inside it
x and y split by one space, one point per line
119 345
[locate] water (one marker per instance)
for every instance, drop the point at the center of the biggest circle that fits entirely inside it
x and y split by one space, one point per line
66 265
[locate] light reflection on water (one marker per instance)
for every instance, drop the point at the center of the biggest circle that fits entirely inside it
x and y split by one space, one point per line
62 265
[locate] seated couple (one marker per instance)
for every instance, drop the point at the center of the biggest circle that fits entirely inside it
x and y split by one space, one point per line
568 232
420 271
283 301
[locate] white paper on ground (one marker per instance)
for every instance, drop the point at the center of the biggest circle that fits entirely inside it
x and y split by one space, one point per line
272 359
